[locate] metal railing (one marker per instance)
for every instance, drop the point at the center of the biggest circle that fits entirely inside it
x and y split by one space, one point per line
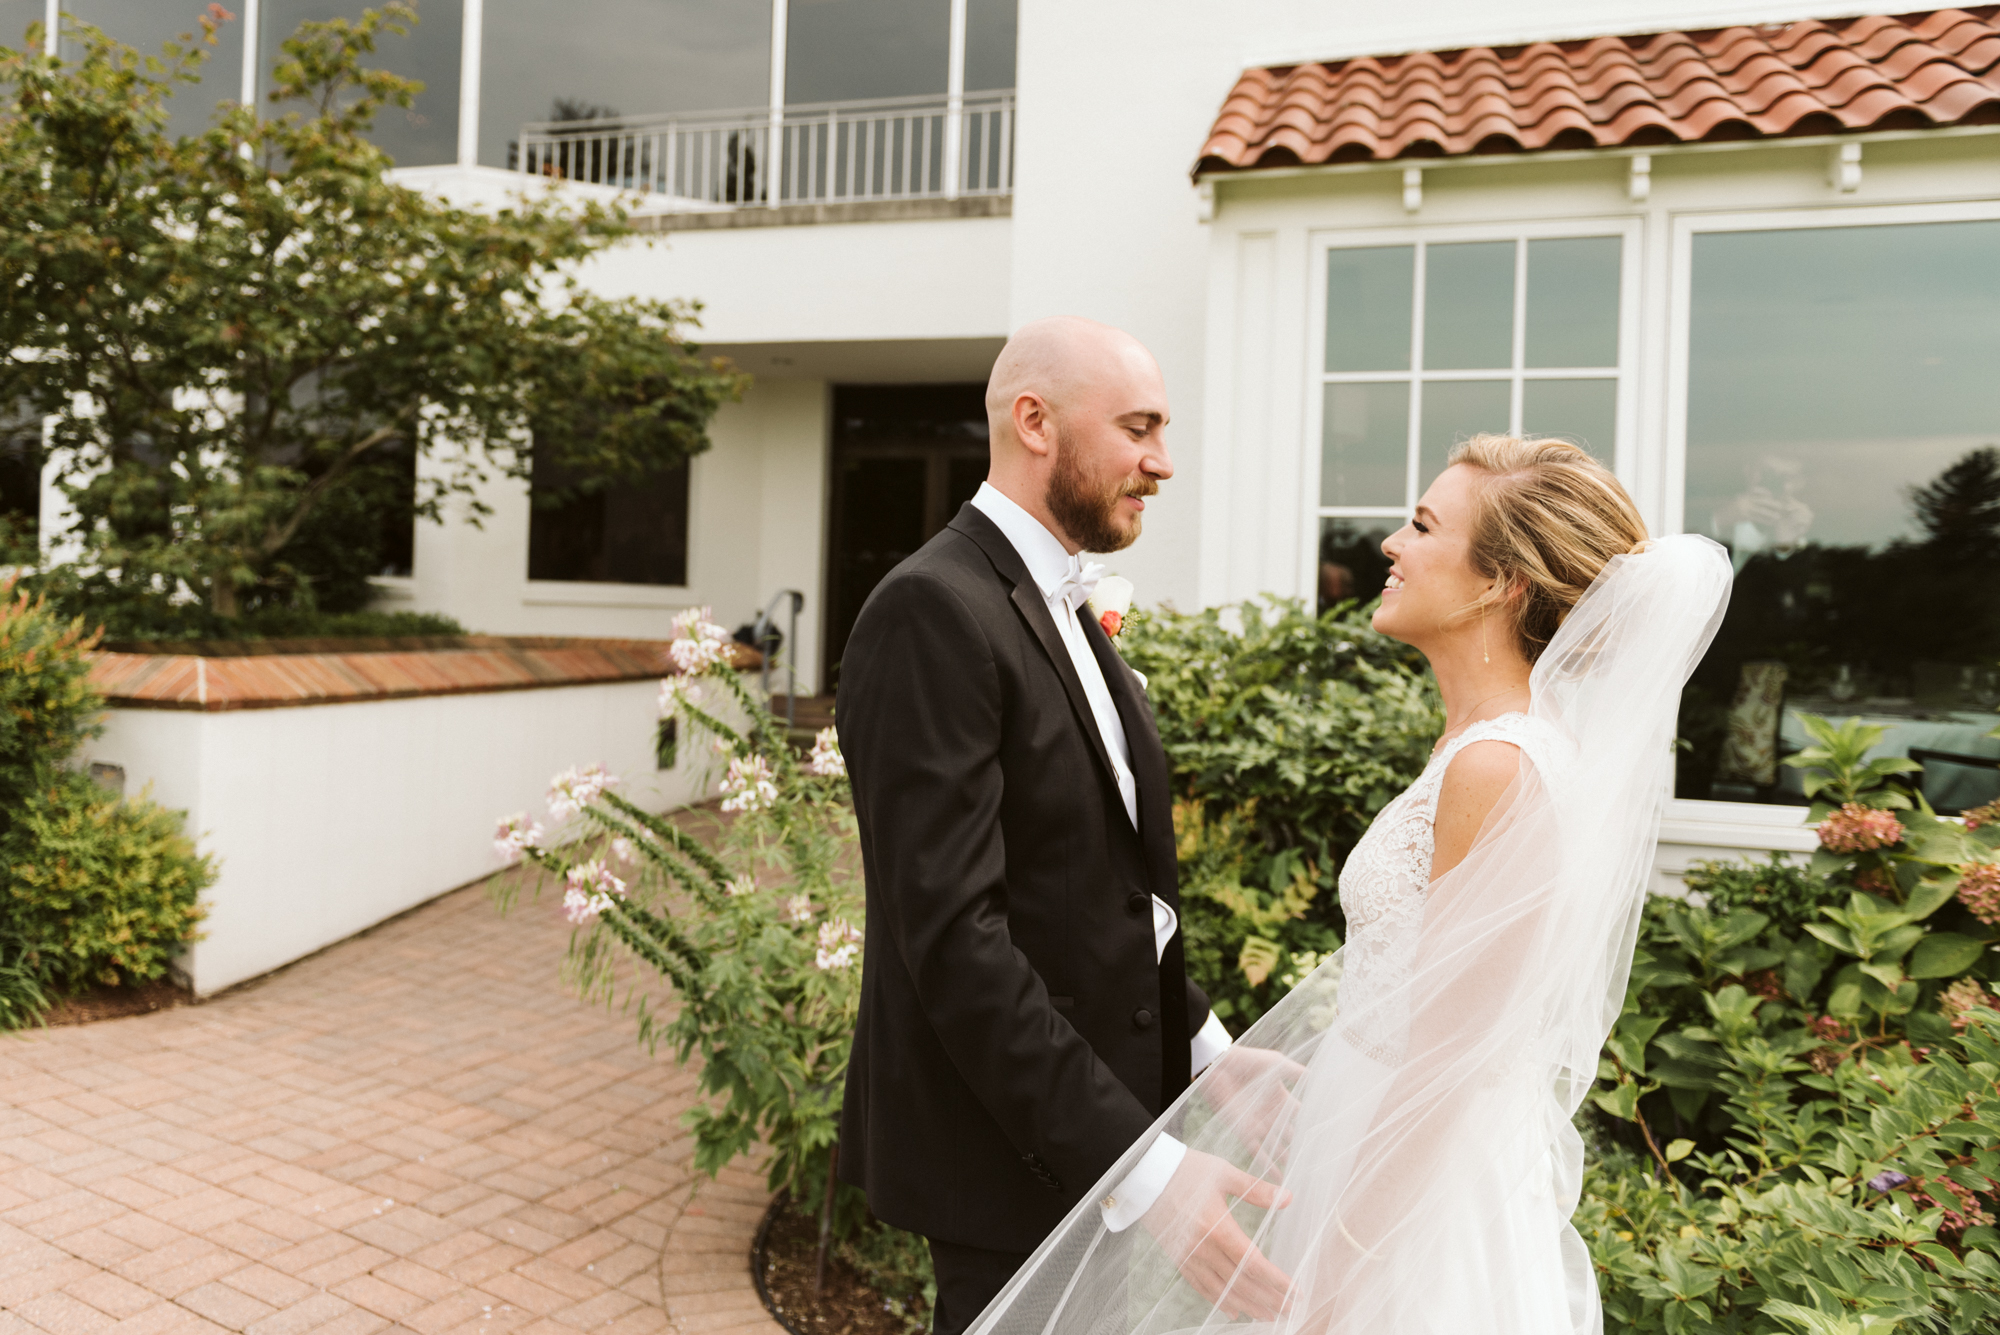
832 152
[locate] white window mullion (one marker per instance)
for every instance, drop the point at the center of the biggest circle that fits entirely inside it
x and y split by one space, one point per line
1514 393
1411 463
471 39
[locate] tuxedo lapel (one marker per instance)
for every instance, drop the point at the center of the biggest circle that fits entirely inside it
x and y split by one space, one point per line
1034 610
1149 759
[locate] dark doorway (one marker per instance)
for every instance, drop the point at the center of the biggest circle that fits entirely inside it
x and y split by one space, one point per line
905 458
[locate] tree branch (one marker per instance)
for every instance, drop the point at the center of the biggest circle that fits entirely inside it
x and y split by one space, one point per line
275 539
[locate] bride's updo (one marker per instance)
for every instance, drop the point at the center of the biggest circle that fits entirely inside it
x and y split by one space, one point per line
1547 518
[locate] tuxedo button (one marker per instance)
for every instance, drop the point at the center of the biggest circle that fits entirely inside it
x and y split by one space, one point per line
1142 1018
1138 902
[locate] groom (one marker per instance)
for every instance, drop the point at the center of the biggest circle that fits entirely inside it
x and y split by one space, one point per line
1025 1014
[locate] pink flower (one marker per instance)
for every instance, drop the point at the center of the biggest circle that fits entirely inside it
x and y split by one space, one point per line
1985 815
699 644
1979 891
839 943
516 835
624 850
590 888
574 789
750 785
1857 829
1113 622
1956 1001
826 760
676 693
1827 1028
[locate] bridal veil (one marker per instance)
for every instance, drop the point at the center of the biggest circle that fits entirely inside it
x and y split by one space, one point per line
1423 1131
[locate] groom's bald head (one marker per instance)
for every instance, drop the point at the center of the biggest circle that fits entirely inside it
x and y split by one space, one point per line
1076 413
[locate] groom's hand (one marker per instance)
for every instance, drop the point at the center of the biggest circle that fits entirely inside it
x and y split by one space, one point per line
1192 1222
1251 1089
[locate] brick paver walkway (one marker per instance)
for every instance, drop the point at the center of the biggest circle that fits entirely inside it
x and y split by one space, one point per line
418 1130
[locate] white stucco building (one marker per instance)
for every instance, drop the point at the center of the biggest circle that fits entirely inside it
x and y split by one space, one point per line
1748 252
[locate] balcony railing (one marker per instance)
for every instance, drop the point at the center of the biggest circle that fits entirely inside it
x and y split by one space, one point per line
833 152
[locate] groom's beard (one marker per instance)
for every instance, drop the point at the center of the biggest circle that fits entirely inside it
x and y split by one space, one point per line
1087 509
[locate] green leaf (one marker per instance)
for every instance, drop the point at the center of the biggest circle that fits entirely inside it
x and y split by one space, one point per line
1983 1236
1945 955
1678 1150
1825 862
1838 937
1622 1102
1931 894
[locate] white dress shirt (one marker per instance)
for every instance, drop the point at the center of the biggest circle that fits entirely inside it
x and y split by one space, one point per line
1048 564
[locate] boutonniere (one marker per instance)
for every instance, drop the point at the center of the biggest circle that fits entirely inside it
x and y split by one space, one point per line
1110 602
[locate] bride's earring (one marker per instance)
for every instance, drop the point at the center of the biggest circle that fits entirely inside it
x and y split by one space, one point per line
1484 656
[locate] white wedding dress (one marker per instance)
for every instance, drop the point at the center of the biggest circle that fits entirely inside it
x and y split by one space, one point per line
1414 1094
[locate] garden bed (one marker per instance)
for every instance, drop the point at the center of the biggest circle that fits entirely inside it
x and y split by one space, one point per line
115 1003
783 1259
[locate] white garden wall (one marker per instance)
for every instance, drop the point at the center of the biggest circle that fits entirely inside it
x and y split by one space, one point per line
327 819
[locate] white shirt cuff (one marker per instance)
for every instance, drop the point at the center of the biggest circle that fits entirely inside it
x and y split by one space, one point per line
1206 1046
1143 1185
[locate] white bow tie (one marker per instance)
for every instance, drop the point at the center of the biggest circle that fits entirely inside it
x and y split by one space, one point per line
1079 581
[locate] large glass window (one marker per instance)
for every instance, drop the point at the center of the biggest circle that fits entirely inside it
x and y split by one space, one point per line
617 57
146 25
849 50
15 18
422 135
635 532
1843 441
990 36
1432 342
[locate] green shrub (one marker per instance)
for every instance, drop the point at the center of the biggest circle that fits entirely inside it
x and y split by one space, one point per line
99 890
1786 892
1285 732
92 889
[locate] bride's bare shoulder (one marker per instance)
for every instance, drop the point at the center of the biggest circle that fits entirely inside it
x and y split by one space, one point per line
1474 782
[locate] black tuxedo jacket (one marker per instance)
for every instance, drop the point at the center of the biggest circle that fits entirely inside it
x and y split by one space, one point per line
1016 1033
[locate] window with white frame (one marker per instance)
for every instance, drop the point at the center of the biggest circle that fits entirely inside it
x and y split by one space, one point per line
1841 437
1429 342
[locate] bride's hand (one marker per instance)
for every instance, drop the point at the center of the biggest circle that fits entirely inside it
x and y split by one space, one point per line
1251 1089
1192 1222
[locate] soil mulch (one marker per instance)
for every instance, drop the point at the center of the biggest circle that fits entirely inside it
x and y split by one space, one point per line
788 1246
113 1003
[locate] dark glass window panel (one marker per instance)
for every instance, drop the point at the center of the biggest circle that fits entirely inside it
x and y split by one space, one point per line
1369 294
1469 306
632 532
617 57
1453 410
851 50
20 487
1351 561
15 18
1582 411
905 459
1572 315
422 135
1844 442
146 25
1365 444
990 36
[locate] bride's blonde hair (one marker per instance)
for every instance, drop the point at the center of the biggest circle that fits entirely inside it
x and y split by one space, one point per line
1547 518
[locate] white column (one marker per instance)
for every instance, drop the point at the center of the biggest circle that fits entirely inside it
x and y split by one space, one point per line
250 44
52 27
468 82
954 103
774 151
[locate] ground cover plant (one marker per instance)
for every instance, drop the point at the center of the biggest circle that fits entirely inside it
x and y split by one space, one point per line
245 341
1801 1101
94 888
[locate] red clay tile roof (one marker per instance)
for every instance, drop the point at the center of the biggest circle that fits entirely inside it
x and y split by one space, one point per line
1817 77
259 678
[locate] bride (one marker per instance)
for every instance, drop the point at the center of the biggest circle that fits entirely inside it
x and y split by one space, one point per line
1396 1133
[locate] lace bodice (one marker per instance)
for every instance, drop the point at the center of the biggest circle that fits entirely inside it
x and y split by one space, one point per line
1383 885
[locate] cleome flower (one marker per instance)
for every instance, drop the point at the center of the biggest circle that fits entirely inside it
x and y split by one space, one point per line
826 760
749 784
1857 829
516 835
699 644
798 908
741 885
624 850
839 944
1979 891
589 889
574 789
676 693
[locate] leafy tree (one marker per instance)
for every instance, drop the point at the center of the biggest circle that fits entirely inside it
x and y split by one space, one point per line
240 334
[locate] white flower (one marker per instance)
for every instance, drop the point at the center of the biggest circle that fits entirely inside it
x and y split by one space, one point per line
624 850
750 784
676 693
516 835
839 943
699 644
574 789
826 760
1112 594
798 908
741 885
590 889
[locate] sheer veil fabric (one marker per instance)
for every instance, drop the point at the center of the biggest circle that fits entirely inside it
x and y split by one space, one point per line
1424 1132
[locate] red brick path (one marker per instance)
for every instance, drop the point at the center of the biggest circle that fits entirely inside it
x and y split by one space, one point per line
419 1129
